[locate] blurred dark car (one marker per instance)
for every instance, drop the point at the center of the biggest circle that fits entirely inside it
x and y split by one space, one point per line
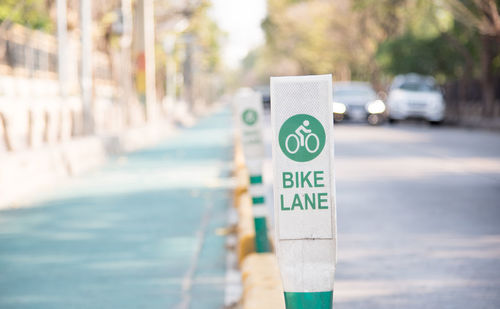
266 95
357 101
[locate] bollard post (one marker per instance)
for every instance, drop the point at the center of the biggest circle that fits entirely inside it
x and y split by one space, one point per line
257 193
249 113
304 189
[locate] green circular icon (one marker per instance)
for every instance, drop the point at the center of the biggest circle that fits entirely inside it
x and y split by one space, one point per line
302 138
249 116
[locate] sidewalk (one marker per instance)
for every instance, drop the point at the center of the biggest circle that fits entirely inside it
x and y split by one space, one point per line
138 233
26 173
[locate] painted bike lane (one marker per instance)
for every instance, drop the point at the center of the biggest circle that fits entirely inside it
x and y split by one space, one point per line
138 233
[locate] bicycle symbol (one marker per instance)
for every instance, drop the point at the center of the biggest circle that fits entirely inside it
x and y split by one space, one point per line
300 141
301 138
249 116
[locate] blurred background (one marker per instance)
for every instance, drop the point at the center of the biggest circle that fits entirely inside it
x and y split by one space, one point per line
82 67
456 42
82 82
79 67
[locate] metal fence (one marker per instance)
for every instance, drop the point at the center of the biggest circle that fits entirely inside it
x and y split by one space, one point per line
465 99
31 110
27 53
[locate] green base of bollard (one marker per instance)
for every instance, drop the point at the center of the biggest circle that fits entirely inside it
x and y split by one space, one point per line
258 200
261 240
255 179
309 300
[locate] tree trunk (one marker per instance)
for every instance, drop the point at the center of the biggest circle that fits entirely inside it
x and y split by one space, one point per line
31 129
463 84
6 136
487 79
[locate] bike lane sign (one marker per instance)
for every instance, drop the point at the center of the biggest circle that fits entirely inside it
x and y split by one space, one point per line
302 123
249 111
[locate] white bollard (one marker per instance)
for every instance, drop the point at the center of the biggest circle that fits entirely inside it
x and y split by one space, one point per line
304 188
250 113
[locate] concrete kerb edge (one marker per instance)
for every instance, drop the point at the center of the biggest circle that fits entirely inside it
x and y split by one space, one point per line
262 288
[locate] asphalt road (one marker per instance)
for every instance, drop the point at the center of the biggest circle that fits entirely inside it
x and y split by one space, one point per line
418 217
139 232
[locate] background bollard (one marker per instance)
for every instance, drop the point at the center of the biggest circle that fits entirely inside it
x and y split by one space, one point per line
304 189
258 206
249 114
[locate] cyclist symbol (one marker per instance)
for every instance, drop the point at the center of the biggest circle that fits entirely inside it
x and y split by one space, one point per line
301 141
249 116
302 137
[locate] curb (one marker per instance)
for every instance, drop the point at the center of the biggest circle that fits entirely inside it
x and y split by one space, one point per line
245 228
262 288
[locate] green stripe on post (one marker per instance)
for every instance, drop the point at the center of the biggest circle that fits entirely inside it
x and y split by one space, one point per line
309 300
258 200
261 241
255 179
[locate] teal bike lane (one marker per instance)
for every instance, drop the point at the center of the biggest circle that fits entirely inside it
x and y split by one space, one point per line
140 232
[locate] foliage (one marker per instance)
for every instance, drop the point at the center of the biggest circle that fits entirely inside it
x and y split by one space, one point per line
296 37
377 39
208 36
428 56
339 37
30 13
482 15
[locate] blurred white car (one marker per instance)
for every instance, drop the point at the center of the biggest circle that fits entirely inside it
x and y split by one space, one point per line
357 101
415 96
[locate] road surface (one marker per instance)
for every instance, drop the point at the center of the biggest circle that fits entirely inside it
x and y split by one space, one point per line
418 212
418 217
138 233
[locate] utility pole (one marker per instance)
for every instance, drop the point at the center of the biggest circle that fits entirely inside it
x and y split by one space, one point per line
171 85
149 57
62 46
86 64
126 68
188 71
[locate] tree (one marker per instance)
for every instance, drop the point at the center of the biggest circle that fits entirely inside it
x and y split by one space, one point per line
314 37
339 37
427 56
376 39
208 36
483 16
33 14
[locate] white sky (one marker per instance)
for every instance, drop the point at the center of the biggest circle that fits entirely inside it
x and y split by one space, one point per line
240 19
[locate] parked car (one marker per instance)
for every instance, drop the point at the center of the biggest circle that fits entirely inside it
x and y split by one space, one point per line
266 95
357 101
415 96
